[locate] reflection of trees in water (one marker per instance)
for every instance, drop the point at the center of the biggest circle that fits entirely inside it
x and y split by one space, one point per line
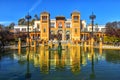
0 60
113 56
0 56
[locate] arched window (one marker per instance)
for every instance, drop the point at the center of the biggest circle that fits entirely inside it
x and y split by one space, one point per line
67 25
76 18
44 18
75 30
60 25
52 25
44 30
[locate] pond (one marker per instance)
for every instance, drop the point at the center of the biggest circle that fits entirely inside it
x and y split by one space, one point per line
71 63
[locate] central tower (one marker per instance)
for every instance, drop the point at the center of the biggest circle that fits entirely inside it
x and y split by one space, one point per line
60 25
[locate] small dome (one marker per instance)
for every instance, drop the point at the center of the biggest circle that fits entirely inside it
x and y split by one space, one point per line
44 12
75 12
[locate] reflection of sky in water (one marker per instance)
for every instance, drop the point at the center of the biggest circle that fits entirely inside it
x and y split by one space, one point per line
73 63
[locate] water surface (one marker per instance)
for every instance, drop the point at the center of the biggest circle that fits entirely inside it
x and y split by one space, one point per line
72 63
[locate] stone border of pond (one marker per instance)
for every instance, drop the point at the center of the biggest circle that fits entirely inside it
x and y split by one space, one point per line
109 47
103 47
13 47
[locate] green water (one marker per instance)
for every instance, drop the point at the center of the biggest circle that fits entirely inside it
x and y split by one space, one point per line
72 63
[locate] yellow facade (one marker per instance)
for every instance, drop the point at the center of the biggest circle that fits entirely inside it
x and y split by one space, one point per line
75 26
44 29
62 29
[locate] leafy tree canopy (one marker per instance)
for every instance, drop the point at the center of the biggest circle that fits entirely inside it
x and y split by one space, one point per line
113 29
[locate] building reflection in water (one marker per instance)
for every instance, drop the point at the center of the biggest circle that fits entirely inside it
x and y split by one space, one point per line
100 51
71 58
75 59
92 75
59 60
44 59
28 73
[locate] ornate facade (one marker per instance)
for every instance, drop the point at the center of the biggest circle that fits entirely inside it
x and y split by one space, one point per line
62 29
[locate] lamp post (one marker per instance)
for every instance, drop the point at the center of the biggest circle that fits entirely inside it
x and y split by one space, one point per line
35 39
92 17
28 17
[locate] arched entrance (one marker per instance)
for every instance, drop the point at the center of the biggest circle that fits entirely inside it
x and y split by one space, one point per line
52 35
67 35
59 35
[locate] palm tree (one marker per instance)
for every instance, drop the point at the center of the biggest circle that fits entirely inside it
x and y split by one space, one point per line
21 21
36 17
11 26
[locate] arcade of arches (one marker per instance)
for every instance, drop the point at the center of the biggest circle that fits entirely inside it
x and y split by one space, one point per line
63 29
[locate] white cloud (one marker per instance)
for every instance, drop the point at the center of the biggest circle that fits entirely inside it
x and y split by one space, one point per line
35 6
6 22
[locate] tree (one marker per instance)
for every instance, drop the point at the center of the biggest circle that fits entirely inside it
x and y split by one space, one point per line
36 17
5 37
22 21
113 30
11 26
1 27
32 22
113 56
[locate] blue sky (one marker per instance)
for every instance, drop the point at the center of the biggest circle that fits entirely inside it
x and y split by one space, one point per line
105 10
